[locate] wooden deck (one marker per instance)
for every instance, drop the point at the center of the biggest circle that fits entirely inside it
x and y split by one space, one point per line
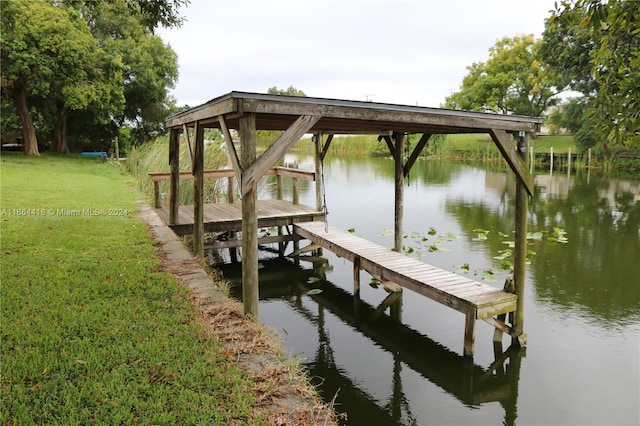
476 300
227 217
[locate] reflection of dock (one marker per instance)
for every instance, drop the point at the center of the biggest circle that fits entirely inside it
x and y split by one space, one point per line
476 300
457 375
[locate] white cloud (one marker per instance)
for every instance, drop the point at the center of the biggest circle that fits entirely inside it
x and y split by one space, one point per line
392 51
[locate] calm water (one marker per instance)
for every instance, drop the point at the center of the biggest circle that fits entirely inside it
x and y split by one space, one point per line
403 365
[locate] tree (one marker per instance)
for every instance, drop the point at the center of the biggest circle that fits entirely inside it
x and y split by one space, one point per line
43 52
66 60
290 91
512 81
613 65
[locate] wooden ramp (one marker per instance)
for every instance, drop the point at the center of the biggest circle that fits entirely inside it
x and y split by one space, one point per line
227 217
476 300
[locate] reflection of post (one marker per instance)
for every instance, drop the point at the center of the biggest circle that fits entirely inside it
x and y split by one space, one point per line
395 310
513 373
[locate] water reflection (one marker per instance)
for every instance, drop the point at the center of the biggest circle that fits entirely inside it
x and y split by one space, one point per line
469 383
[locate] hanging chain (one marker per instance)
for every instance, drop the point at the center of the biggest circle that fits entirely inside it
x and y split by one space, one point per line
325 210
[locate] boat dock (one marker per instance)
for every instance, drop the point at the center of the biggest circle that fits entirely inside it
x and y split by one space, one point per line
474 299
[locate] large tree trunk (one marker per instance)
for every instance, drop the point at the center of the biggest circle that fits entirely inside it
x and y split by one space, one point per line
60 144
29 139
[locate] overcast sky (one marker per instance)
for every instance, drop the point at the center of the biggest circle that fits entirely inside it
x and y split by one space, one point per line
403 52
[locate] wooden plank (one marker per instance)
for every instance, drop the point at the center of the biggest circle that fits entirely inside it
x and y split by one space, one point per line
259 167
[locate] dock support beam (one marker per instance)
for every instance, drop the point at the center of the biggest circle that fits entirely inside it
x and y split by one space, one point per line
520 249
198 192
398 156
250 284
174 164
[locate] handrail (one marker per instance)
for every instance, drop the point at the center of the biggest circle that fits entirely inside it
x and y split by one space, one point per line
295 174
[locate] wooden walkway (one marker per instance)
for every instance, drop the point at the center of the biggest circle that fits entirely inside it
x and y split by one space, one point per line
476 300
227 217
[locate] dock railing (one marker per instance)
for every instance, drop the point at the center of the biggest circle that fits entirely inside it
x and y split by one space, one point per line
158 177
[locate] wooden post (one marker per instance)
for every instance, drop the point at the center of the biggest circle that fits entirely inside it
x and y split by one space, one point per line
469 333
198 193
174 163
356 276
551 162
279 191
318 168
156 194
569 162
295 196
520 249
233 253
250 283
399 190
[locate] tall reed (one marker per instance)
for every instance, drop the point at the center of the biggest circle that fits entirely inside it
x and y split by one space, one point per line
154 157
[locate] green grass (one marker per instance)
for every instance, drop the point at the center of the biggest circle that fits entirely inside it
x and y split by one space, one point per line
91 332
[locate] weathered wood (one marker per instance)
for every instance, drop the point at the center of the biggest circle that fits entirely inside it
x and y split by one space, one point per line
301 250
399 190
185 132
174 164
318 159
231 148
356 276
520 249
336 114
461 293
250 283
157 202
516 161
222 173
295 194
469 333
289 137
198 193
233 243
424 139
215 108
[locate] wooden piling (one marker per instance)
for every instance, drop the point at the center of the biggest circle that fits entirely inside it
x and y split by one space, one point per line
250 284
174 163
520 249
198 192
399 190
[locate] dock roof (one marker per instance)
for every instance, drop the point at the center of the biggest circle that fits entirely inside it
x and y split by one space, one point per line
279 112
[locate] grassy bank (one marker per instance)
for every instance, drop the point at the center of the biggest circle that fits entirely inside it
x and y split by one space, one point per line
92 332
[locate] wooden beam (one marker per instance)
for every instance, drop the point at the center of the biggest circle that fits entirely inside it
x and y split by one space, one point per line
325 148
253 172
185 132
416 153
387 139
515 161
231 148
250 283
198 193
174 164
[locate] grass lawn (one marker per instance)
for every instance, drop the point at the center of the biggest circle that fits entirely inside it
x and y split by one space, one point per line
92 332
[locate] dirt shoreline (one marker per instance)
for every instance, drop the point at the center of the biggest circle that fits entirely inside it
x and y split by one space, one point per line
281 387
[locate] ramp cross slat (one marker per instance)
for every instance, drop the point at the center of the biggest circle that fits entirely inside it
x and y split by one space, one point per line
476 300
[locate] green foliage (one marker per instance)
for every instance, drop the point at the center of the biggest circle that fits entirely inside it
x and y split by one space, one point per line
512 81
573 117
153 157
605 36
92 333
290 91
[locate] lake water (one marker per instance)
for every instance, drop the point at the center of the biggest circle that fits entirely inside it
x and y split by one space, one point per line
404 365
